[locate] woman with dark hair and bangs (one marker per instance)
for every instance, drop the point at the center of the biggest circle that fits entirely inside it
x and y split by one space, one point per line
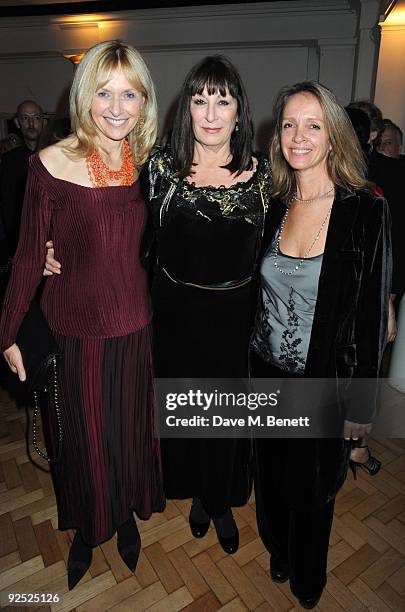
216 75
208 197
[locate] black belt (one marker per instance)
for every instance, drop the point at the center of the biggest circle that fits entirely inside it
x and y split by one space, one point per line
225 286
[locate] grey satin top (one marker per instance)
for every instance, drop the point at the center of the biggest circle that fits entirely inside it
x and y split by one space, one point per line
284 320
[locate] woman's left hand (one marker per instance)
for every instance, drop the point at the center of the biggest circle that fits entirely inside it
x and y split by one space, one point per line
52 266
354 431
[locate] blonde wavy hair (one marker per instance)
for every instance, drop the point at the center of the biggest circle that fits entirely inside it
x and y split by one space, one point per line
346 164
93 72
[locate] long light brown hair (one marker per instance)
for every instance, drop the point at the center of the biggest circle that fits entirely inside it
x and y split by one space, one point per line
93 72
346 163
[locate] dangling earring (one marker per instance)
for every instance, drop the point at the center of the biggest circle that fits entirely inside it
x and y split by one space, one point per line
141 123
236 127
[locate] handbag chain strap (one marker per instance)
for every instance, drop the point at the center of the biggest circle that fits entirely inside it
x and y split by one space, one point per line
55 397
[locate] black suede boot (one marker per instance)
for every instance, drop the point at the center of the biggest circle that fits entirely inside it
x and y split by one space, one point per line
129 543
79 560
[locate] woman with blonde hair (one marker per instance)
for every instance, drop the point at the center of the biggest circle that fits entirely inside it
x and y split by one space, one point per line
325 278
84 193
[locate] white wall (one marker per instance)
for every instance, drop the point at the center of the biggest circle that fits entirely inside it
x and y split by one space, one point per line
271 43
390 87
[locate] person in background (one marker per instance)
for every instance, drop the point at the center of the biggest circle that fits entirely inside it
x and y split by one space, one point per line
386 172
391 140
85 190
362 126
10 142
361 456
325 277
30 120
375 116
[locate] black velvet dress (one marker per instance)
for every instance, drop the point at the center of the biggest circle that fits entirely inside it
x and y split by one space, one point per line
207 242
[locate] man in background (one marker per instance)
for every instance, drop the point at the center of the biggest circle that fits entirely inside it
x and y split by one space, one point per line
14 169
30 121
390 142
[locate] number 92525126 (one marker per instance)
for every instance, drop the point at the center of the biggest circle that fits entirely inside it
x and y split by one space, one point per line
30 598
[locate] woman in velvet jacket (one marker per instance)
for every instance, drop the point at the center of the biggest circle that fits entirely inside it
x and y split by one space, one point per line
325 269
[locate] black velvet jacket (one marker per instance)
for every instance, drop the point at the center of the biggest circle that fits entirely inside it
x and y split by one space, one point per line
350 322
348 333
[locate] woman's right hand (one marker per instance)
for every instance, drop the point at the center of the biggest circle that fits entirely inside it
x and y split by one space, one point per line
15 362
392 322
51 265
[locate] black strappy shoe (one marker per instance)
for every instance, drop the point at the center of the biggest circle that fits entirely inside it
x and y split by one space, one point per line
372 465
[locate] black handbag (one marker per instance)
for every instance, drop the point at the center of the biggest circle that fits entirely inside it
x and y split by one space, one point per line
40 354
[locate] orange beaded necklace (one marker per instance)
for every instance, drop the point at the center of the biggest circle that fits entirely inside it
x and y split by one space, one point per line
100 174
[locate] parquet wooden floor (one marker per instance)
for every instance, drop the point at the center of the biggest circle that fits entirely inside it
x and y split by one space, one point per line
177 572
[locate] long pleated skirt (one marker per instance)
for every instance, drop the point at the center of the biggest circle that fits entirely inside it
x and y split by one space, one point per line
110 461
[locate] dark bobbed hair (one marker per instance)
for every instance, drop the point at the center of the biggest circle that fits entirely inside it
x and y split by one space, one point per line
374 114
361 124
346 163
219 75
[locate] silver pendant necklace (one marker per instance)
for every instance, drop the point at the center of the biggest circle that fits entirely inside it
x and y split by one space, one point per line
302 259
296 198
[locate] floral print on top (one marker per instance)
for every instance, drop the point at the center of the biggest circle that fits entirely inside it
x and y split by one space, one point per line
286 311
239 200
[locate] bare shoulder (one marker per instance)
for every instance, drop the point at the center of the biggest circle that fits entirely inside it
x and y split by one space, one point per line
55 157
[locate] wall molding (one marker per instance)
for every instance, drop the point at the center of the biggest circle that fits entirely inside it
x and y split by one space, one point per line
392 28
272 43
30 55
176 48
221 26
314 7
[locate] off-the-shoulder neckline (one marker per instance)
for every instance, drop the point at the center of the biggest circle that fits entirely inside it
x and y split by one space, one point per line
37 158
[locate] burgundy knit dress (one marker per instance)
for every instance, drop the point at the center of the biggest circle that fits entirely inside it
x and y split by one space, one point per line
99 311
